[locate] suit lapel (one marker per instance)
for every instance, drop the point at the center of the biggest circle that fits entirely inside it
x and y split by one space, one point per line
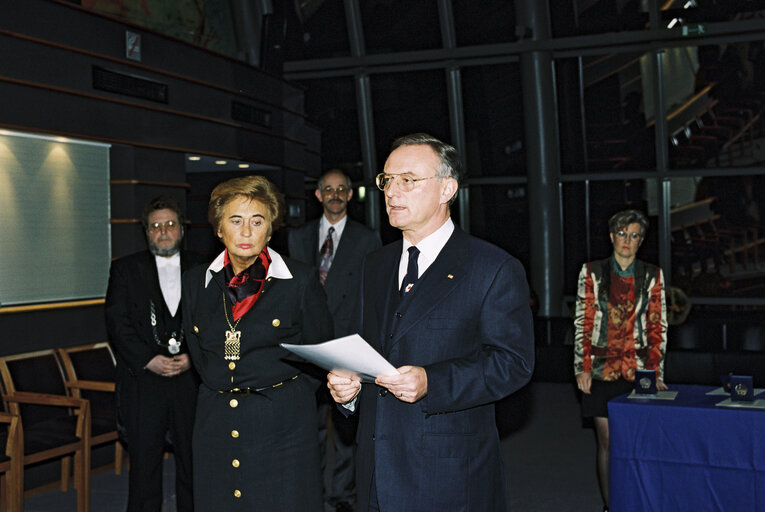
313 243
152 279
440 280
345 248
383 293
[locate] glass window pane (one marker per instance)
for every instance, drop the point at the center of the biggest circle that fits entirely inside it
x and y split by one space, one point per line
325 32
494 120
484 22
719 125
718 244
602 17
331 105
391 26
499 214
407 103
617 128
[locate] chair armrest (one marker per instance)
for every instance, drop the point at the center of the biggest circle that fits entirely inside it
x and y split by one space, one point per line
80 405
26 397
13 443
92 385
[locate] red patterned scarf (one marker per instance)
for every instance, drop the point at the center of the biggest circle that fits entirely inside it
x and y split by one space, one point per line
244 288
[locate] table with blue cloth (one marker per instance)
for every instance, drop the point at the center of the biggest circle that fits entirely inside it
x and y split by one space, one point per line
686 454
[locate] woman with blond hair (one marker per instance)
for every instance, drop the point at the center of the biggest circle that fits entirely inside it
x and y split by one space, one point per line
255 438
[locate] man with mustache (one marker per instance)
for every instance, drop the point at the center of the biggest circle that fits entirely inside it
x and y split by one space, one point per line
336 245
156 385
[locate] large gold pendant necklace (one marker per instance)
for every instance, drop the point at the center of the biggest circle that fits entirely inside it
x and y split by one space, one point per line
232 346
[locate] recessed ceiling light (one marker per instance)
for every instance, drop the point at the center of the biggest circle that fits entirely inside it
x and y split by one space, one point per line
244 166
195 158
220 162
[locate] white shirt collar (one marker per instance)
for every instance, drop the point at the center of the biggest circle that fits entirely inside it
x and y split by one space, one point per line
169 274
277 268
324 228
168 261
430 247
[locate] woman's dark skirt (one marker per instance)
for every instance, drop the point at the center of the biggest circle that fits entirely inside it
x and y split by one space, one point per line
596 403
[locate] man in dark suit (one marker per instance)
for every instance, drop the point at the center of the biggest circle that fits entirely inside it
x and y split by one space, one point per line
452 314
336 245
156 385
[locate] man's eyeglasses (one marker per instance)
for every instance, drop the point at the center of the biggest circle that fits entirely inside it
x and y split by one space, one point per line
170 225
406 182
328 191
632 236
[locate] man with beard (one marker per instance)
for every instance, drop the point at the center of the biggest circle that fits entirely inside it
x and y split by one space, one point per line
336 245
156 385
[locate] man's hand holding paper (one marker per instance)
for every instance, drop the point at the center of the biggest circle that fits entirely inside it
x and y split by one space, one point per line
349 356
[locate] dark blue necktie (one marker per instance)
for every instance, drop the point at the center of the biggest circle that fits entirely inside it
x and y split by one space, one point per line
411 271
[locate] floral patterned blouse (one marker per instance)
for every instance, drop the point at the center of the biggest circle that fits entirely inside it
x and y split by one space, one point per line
621 320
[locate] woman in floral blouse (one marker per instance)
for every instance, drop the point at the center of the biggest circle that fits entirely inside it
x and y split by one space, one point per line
621 326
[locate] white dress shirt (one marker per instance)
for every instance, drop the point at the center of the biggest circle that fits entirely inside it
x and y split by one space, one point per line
324 226
169 272
430 247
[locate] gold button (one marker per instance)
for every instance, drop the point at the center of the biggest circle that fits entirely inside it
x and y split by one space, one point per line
234 402
237 493
275 322
234 434
235 463
196 329
231 365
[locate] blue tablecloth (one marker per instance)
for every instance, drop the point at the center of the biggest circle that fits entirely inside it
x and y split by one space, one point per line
686 454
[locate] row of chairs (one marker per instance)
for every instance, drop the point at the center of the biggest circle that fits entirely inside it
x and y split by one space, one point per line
58 405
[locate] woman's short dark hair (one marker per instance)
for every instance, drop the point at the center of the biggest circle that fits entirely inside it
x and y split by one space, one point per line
621 220
450 162
250 187
161 203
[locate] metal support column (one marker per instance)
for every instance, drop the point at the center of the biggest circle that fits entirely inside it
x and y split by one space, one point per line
663 192
456 112
365 114
542 159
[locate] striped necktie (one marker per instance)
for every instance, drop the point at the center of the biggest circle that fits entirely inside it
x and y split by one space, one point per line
327 252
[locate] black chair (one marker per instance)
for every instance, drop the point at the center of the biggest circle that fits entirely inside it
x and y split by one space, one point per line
11 464
745 336
54 426
90 374
691 367
702 336
691 350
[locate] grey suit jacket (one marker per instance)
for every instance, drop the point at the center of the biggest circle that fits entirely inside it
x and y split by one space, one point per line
344 277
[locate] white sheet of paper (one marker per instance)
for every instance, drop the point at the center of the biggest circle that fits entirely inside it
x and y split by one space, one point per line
349 353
